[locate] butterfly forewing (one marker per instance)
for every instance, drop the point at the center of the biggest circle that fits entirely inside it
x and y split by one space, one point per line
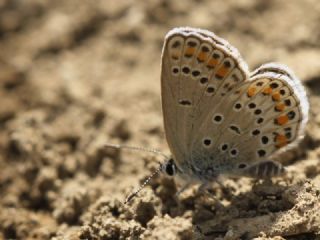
195 64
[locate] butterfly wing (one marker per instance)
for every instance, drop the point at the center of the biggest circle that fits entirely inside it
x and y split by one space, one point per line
284 110
198 69
259 118
218 118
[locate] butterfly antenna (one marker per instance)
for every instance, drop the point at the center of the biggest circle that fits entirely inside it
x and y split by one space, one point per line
142 149
159 169
135 193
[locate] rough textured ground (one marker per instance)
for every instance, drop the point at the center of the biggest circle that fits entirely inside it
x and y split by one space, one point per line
77 74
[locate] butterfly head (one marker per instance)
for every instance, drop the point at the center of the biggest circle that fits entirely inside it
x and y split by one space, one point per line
170 168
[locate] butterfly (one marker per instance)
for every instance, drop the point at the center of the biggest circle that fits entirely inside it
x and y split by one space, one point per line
221 119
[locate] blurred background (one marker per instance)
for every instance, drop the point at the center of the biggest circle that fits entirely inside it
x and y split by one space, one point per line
77 74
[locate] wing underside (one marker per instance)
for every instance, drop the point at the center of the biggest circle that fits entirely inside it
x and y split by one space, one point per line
215 113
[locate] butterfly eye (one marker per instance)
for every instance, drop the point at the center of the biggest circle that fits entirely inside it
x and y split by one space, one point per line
170 168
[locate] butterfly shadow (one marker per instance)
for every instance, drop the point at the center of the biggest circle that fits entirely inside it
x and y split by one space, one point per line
242 207
268 206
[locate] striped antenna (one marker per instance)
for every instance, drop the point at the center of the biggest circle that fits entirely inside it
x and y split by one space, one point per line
159 169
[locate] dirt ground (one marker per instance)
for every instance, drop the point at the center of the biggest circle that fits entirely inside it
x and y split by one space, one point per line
77 74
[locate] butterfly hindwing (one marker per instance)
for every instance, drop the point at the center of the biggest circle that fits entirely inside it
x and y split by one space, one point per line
283 112
260 117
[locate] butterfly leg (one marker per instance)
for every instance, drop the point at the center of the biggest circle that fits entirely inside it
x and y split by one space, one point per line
204 188
184 187
265 169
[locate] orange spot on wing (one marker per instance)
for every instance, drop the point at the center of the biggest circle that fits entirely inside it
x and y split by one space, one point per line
251 91
189 51
267 90
281 140
276 96
222 72
212 62
175 56
280 107
282 120
202 56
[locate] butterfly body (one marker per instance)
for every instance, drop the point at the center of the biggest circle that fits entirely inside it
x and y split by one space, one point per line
221 119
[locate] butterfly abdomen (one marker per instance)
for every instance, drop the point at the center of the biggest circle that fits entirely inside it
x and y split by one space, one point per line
265 169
